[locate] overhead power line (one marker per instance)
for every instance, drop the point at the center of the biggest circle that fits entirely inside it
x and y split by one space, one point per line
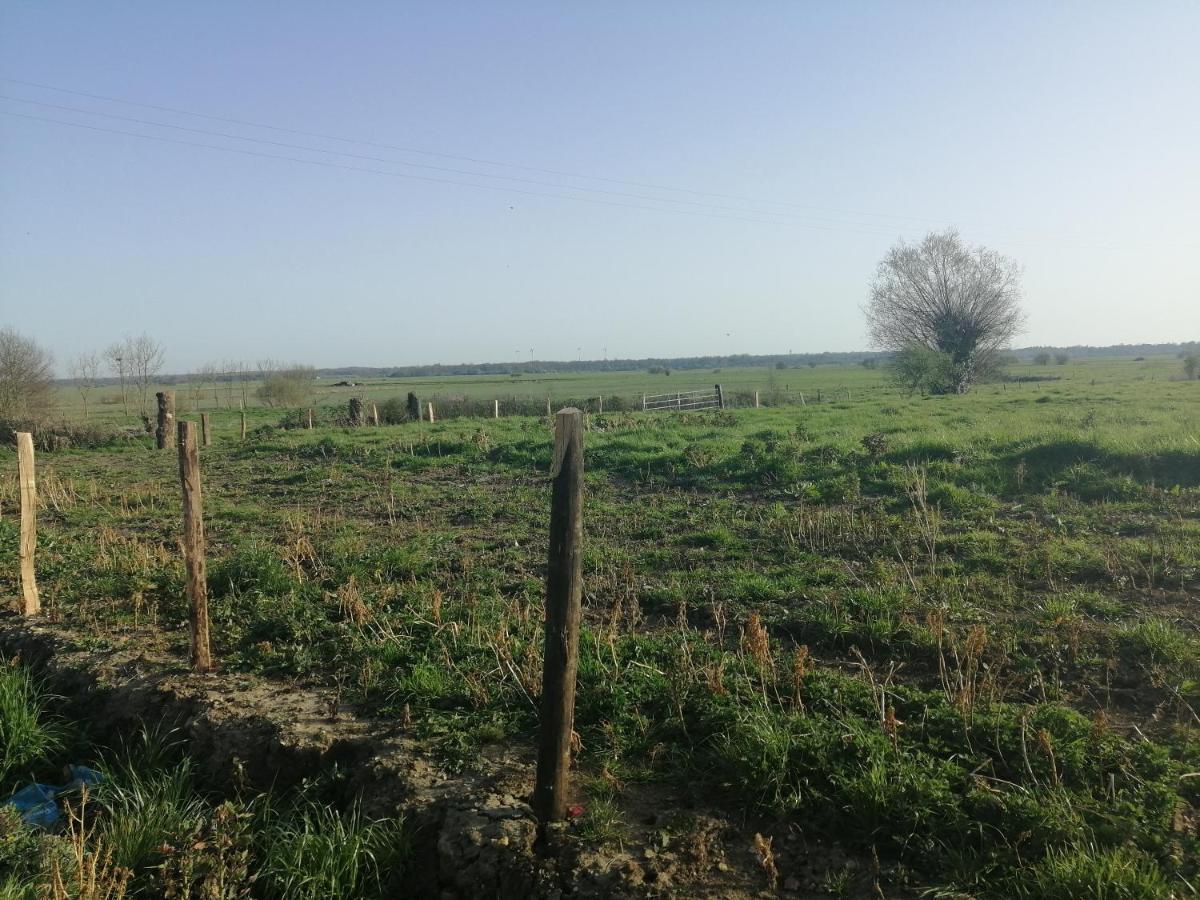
461 158
430 179
443 169
718 211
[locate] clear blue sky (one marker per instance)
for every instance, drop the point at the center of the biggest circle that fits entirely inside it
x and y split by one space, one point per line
1066 135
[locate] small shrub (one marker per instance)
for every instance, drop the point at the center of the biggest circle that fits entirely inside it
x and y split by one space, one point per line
875 443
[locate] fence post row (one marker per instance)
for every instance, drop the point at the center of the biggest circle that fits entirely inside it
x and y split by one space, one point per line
164 434
193 546
31 601
564 592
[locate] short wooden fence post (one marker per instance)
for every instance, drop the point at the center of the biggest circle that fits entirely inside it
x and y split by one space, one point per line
193 546
720 397
756 399
164 434
564 592
205 433
310 419
430 410
26 472
243 424
495 409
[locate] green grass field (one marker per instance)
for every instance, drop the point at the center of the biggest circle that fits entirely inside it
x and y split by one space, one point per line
960 634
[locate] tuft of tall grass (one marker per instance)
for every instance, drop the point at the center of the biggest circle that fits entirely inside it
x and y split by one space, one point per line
1116 873
29 732
311 852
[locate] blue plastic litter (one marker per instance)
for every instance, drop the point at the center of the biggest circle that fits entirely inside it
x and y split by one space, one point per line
37 803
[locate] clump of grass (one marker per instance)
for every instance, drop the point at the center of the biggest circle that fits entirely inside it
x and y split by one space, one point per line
29 732
1116 873
148 813
310 852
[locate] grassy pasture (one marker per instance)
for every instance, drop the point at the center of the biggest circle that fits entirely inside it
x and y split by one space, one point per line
960 632
775 386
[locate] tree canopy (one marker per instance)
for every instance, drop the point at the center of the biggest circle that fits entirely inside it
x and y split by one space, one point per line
943 296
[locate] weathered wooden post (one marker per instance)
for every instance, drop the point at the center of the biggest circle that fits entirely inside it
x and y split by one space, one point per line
205 434
193 546
495 409
564 592
164 434
32 603
756 399
310 419
643 402
243 423
802 403
430 410
374 415
720 397
356 411
600 405
548 413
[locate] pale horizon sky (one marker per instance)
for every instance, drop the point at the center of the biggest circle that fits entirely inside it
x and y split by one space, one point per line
654 179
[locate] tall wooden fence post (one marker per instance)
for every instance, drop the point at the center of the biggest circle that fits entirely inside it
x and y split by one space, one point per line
205 433
600 405
310 419
495 409
756 399
374 415
243 424
32 604
164 434
720 397
193 546
430 410
564 592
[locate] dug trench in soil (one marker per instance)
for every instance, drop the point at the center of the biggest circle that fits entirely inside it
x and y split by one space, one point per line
474 832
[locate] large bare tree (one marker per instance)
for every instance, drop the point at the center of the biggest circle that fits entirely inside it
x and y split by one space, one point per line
26 388
942 295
